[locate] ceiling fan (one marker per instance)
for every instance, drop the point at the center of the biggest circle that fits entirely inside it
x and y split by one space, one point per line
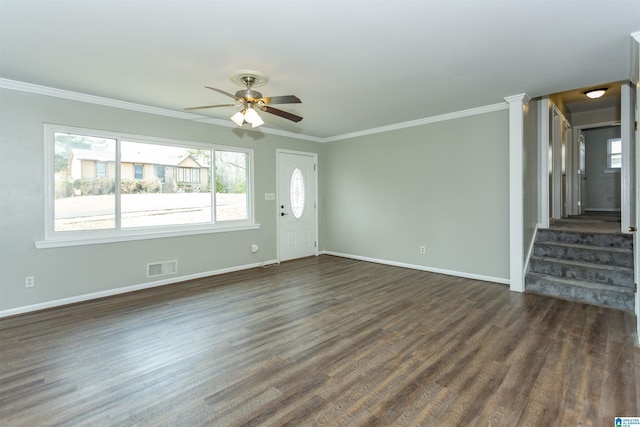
251 100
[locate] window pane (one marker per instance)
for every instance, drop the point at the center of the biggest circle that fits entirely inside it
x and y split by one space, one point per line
615 153
231 185
616 160
616 146
84 200
161 197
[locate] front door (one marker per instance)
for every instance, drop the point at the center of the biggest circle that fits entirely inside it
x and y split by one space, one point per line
297 205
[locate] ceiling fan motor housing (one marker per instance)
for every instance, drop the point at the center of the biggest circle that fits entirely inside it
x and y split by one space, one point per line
249 94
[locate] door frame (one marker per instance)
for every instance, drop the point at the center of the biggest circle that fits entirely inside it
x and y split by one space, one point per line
314 156
574 149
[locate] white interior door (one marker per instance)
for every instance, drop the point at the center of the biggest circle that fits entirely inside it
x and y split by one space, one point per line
297 205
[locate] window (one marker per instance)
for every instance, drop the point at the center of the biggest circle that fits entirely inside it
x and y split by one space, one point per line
231 184
614 153
101 184
189 175
137 171
101 169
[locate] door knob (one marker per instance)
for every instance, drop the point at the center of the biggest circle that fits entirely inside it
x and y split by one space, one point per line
283 214
632 228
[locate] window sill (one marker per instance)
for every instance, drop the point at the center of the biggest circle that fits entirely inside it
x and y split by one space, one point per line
147 234
611 170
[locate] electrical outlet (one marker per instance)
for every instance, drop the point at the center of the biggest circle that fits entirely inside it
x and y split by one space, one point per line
29 282
423 249
254 248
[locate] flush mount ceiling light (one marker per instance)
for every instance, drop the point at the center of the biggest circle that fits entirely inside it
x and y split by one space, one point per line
595 93
250 100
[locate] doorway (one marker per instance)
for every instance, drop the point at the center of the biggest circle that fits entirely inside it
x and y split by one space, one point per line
297 204
602 178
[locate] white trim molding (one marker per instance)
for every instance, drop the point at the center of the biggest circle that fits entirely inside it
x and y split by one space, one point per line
516 188
420 267
543 162
420 122
628 169
108 102
126 289
115 103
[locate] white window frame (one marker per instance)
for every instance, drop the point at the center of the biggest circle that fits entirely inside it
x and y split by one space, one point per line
54 238
609 154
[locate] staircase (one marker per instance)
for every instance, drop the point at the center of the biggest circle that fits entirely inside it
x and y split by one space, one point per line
583 261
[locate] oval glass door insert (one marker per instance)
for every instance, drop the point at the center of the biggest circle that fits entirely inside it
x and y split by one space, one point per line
297 193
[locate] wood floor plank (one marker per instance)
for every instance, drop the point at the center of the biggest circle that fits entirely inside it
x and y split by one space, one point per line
323 341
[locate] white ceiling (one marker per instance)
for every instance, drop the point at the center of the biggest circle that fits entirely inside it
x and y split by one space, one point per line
356 65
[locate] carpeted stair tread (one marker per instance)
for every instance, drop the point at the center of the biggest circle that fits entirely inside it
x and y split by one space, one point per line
582 261
586 253
614 240
581 246
579 290
580 270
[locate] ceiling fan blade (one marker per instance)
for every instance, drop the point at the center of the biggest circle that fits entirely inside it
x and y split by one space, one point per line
285 99
281 113
210 106
223 92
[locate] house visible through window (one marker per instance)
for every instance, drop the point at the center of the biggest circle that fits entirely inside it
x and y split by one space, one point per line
614 153
164 183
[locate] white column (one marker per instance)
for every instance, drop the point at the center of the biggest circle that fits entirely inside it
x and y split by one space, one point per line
543 163
635 78
516 191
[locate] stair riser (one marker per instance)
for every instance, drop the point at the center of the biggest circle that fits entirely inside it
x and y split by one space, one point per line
622 259
617 277
620 298
617 240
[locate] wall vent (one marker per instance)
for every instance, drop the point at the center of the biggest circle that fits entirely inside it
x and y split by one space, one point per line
162 268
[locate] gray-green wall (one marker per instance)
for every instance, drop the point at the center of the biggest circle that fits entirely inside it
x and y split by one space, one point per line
443 185
67 272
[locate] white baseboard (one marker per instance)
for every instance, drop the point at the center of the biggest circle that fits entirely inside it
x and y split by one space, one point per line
110 292
601 210
421 267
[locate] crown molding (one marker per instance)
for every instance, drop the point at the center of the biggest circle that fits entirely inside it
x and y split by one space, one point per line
522 98
420 122
108 102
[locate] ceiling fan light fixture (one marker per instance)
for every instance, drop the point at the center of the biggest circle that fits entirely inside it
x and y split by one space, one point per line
248 100
595 93
238 118
257 121
251 116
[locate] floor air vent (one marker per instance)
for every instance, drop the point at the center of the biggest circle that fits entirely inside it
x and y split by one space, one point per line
162 268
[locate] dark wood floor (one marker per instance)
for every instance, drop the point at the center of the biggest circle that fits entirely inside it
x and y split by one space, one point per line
320 341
